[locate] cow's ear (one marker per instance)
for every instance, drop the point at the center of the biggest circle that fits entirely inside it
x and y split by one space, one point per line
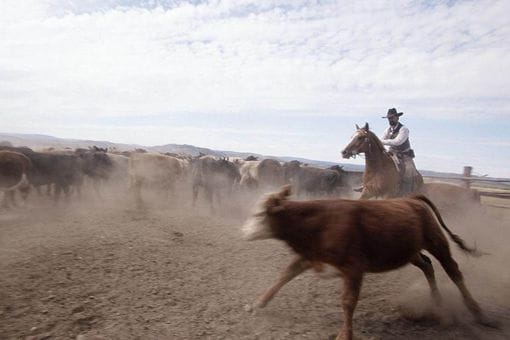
285 191
273 205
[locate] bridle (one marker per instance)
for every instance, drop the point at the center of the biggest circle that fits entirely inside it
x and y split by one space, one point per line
366 139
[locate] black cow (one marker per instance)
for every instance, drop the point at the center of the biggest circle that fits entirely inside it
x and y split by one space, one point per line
60 170
213 176
309 180
95 164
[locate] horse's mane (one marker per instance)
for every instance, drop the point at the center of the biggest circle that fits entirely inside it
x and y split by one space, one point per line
375 140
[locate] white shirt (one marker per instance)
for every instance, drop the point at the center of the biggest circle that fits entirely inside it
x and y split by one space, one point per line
402 136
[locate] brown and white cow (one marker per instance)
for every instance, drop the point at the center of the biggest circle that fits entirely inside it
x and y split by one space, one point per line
267 173
149 169
14 168
358 236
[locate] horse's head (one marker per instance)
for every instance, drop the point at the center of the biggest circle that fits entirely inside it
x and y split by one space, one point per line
359 143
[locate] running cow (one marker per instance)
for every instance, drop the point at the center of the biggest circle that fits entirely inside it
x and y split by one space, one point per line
356 237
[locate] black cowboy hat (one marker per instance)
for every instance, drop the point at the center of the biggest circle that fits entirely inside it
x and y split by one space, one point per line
393 112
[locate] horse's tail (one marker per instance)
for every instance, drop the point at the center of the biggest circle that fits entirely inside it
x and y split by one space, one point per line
454 237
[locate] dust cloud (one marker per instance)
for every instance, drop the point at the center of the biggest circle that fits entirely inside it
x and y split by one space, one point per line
485 226
103 264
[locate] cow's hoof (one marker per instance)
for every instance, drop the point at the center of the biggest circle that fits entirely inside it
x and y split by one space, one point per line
484 321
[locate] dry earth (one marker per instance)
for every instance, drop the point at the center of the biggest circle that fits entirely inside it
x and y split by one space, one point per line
99 268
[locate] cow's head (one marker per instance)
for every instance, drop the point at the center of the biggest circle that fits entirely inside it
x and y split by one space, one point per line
258 226
291 169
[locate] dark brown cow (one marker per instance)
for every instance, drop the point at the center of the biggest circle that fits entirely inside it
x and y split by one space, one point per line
14 168
359 236
309 180
57 169
214 176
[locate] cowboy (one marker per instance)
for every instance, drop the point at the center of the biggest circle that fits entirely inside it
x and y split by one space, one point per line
396 136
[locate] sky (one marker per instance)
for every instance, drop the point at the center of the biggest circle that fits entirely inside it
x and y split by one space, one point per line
281 78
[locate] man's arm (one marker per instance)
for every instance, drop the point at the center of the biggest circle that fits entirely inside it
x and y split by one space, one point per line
386 134
402 136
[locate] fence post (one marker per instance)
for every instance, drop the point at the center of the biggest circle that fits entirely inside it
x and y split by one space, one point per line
467 173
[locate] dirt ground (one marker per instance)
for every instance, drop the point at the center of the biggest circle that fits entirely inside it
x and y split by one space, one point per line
100 268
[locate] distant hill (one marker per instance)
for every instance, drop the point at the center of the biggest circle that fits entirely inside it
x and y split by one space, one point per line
44 141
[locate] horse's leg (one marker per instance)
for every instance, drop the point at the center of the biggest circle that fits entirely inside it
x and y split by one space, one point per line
296 267
443 255
350 295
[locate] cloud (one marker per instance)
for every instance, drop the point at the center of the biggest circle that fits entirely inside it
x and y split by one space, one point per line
116 57
72 61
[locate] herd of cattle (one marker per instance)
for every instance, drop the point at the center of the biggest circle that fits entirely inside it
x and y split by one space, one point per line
53 172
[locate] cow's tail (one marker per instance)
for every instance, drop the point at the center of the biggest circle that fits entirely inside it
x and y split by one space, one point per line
454 237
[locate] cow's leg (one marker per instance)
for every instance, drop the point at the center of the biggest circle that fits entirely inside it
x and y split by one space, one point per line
5 200
67 190
217 193
350 294
425 264
57 191
170 190
296 267
96 184
209 196
137 183
24 192
451 267
78 190
10 195
195 193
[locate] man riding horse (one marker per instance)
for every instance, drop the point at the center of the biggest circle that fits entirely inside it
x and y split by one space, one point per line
396 136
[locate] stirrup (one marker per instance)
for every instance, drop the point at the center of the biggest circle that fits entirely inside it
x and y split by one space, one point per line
360 189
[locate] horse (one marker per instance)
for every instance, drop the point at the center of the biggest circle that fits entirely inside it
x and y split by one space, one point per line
381 178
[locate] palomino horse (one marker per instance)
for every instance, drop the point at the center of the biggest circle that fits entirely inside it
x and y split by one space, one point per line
381 177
